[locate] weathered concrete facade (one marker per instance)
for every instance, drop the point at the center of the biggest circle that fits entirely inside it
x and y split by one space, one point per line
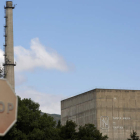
9 50
114 112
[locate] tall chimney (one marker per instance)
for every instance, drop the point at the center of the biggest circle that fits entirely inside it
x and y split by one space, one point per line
8 46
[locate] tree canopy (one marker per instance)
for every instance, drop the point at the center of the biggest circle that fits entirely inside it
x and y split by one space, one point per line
133 136
89 132
86 132
31 125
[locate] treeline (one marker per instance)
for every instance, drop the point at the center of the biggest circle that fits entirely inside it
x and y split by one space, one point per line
31 125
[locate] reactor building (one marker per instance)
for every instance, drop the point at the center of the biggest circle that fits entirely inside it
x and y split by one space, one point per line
114 112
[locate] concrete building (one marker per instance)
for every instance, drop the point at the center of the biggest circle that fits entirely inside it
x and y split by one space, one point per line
8 46
114 112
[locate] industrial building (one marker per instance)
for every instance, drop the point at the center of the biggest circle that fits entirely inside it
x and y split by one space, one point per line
114 112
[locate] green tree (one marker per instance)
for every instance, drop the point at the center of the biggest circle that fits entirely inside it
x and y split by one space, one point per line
133 136
89 132
58 124
86 132
31 125
68 131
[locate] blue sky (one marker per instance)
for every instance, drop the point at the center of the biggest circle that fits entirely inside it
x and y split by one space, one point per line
77 45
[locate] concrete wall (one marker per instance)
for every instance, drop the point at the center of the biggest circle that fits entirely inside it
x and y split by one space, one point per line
81 109
9 50
114 112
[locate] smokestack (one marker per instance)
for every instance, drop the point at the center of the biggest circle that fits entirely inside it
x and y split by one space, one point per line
8 46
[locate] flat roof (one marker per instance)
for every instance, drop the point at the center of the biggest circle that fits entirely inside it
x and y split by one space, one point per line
99 89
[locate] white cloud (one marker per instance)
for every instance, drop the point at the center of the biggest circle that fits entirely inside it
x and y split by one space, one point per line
49 103
29 59
38 56
35 57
